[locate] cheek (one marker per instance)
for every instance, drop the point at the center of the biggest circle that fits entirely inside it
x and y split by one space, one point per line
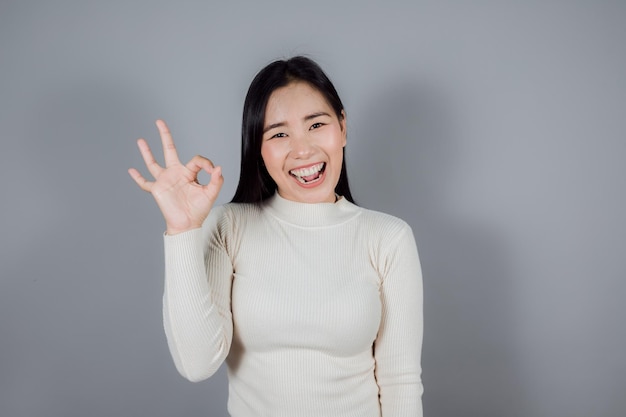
339 143
343 136
269 156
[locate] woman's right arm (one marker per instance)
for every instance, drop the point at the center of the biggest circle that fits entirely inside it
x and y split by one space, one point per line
196 302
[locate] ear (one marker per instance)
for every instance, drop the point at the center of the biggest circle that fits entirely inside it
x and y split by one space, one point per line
343 125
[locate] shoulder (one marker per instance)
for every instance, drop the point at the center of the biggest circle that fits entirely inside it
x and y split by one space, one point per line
225 218
225 225
235 213
383 224
389 241
240 210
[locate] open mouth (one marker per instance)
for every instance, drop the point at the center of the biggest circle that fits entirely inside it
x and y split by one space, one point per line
310 174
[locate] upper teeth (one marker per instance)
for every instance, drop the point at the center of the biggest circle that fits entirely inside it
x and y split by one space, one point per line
303 172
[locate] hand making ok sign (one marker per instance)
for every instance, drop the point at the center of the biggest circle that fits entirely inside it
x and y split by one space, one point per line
184 202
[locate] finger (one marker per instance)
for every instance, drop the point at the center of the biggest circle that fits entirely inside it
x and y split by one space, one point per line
169 149
140 180
216 177
199 163
152 165
212 189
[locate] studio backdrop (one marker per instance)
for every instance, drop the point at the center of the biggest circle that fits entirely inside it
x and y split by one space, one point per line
495 129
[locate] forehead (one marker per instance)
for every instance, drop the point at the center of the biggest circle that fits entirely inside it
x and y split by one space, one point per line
295 99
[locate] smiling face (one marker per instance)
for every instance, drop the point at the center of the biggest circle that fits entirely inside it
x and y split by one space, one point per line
303 141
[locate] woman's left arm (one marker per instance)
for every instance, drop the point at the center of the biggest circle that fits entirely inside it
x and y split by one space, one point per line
398 346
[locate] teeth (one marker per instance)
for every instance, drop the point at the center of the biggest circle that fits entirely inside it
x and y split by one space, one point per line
304 172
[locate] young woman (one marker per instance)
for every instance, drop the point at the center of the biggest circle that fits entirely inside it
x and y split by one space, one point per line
314 303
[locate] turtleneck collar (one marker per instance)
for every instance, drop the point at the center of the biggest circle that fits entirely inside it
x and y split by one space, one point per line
311 215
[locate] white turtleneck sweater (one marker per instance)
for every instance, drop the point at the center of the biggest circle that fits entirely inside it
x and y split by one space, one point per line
316 308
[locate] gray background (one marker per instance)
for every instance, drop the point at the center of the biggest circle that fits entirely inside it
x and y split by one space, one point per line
496 129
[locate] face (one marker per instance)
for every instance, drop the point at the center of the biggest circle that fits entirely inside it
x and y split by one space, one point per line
303 143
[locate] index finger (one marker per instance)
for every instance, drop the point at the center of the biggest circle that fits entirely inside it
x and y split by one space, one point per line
169 149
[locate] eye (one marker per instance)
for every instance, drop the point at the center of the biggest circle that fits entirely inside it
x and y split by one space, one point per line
316 125
278 135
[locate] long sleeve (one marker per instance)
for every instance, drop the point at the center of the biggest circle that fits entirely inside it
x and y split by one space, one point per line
196 303
397 349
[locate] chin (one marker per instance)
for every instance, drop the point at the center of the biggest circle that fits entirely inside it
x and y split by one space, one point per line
311 197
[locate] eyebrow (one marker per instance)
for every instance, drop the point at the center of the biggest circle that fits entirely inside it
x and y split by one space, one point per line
306 118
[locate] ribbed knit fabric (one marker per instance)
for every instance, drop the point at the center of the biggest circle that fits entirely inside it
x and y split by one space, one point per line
316 308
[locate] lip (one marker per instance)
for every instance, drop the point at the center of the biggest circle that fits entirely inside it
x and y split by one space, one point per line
319 181
307 166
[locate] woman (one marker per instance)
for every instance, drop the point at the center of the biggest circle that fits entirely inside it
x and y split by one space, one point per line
314 303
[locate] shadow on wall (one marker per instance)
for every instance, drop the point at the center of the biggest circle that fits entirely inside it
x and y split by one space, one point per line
407 154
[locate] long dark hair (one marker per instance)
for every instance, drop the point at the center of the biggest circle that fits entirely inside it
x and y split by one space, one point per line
255 183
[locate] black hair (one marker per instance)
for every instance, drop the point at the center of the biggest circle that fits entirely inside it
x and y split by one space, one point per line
255 183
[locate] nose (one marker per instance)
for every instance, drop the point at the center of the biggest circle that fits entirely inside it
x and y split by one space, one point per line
301 147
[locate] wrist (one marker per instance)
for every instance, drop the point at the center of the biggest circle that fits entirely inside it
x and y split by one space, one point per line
171 231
